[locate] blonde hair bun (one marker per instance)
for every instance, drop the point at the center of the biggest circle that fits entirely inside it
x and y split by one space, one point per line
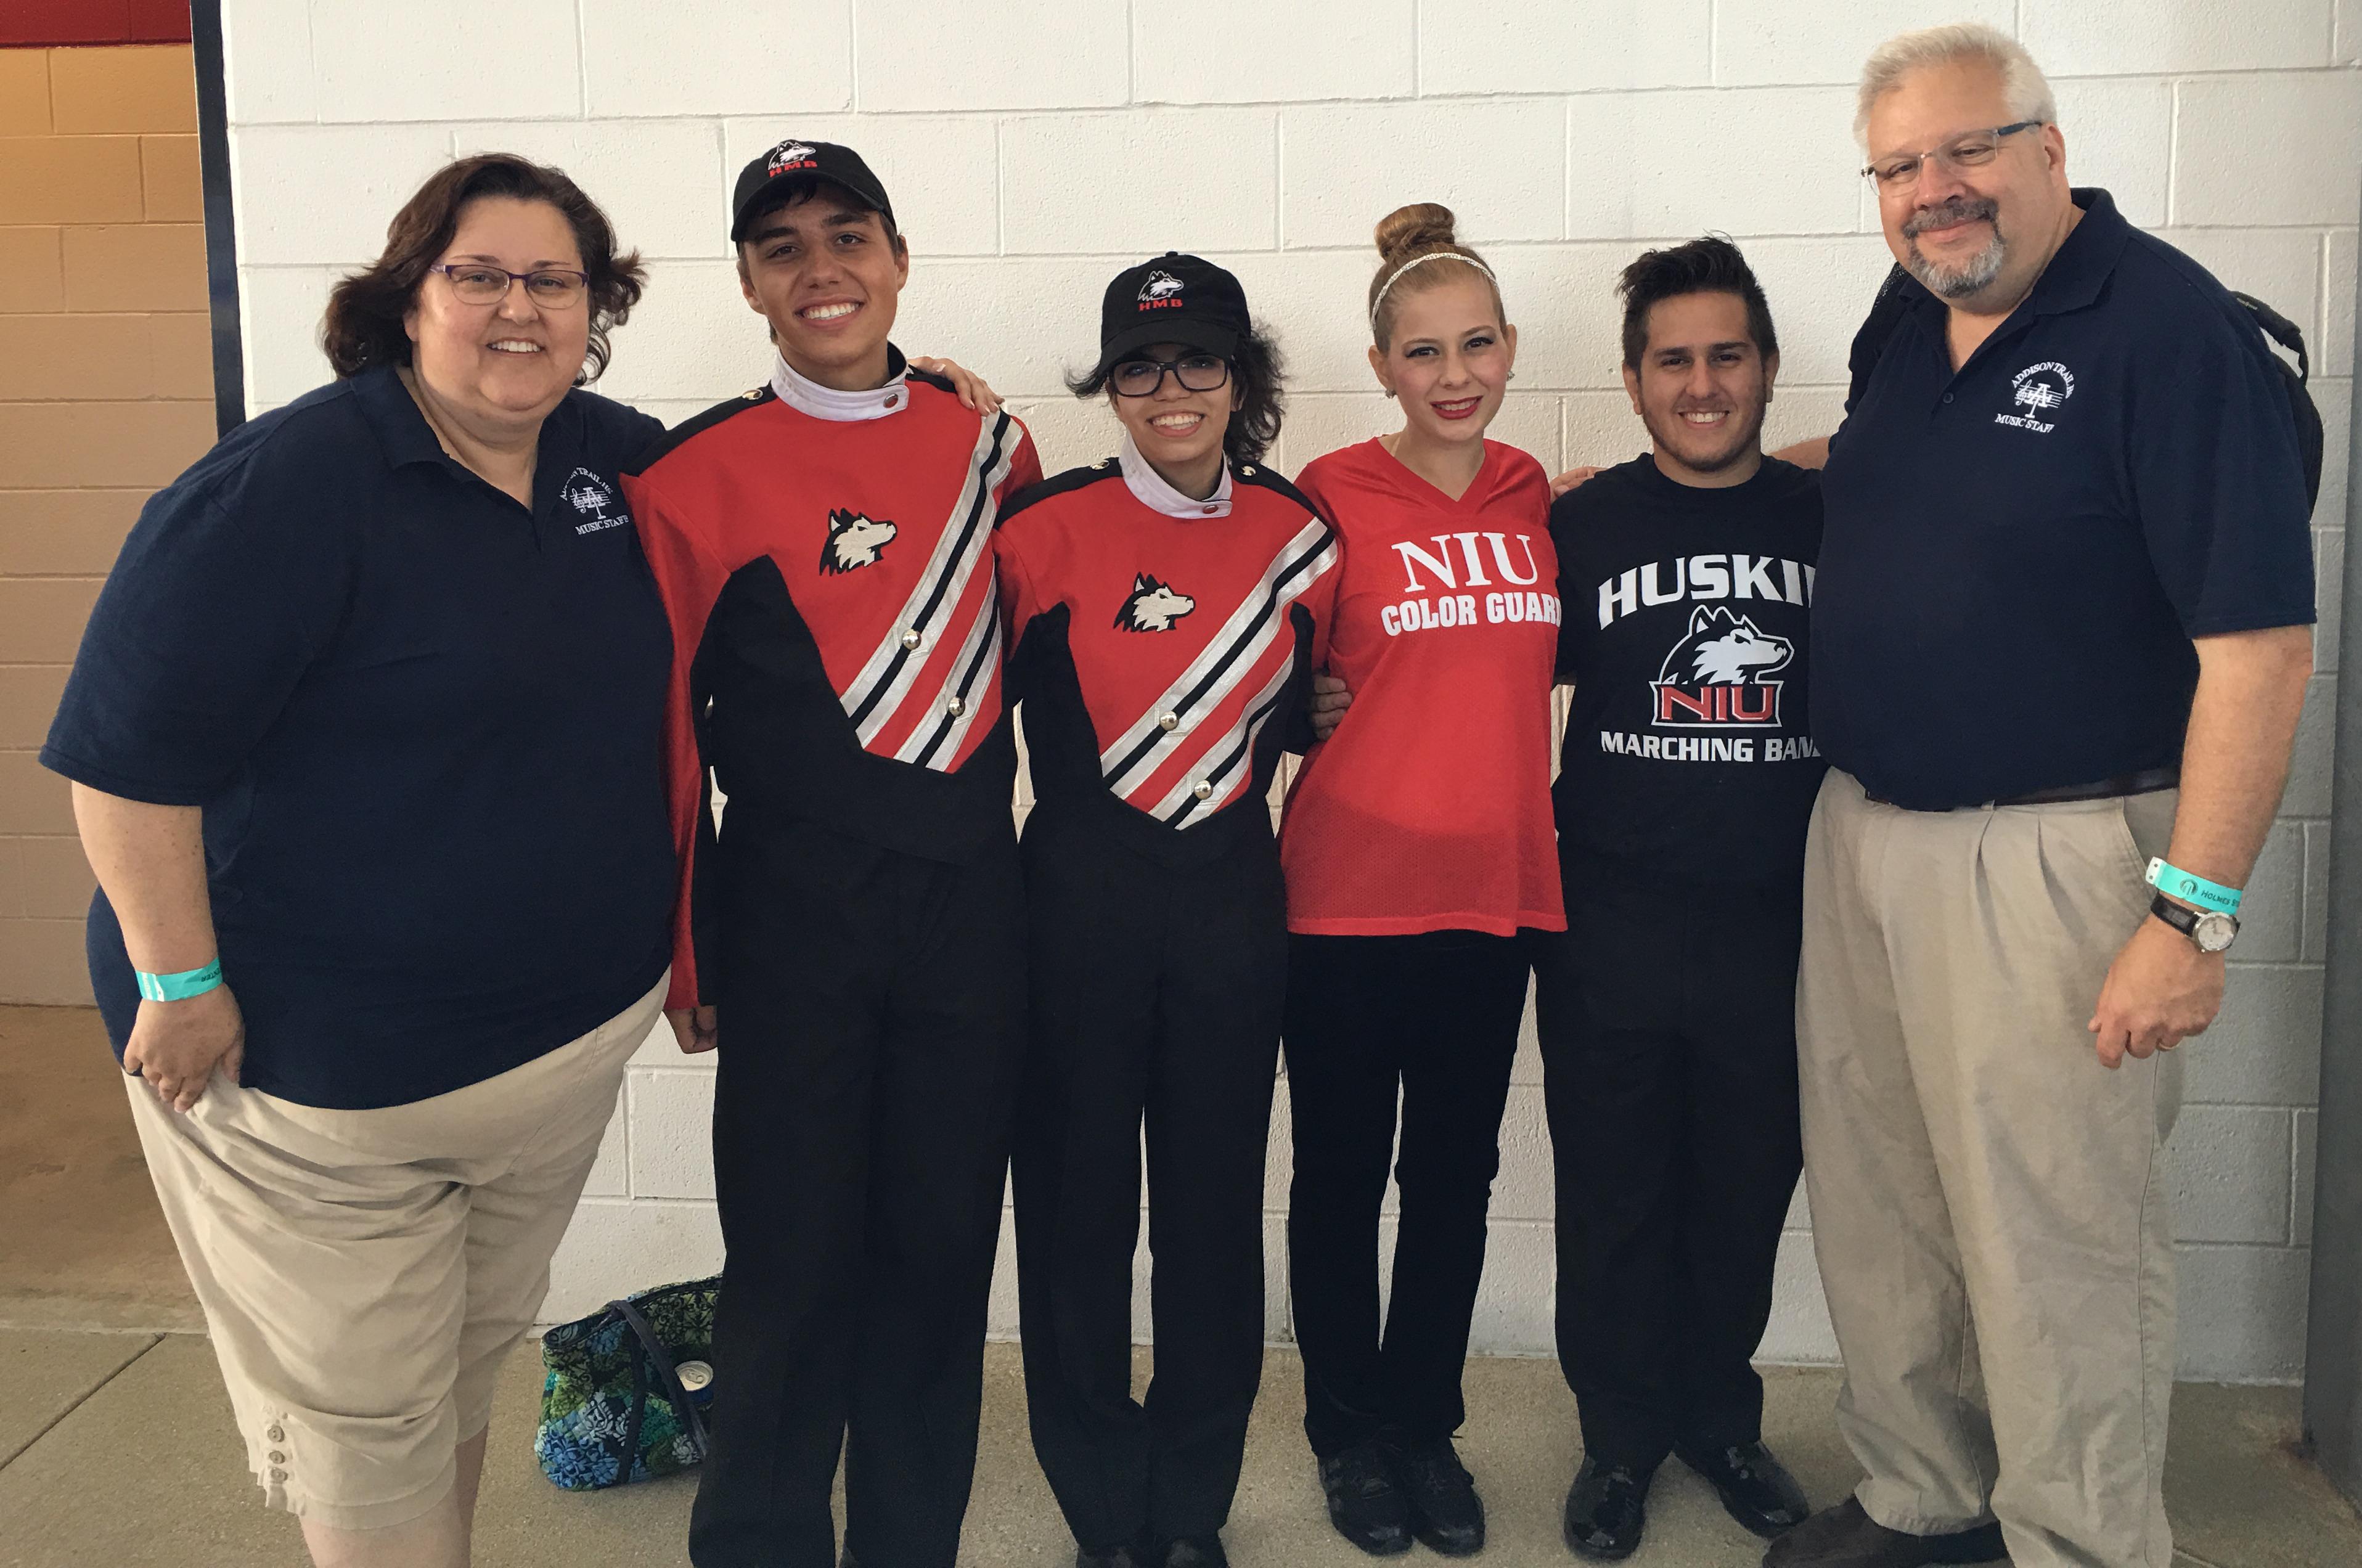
1422 226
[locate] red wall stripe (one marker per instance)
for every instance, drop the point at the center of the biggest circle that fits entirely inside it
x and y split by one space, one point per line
27 24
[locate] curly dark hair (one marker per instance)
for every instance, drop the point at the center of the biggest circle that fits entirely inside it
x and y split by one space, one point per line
1257 370
1711 265
364 324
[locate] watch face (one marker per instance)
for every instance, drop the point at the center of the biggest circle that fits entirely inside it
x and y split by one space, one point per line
2214 932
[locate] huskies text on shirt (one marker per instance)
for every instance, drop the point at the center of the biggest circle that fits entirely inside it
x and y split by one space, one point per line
1687 751
1428 808
1165 642
826 560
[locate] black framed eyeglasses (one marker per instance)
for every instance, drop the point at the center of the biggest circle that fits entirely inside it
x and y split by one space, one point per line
480 283
1195 372
1969 150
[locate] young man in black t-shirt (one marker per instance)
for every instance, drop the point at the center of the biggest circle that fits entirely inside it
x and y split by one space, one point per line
1667 1010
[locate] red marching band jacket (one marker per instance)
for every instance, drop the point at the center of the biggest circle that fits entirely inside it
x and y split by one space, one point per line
826 562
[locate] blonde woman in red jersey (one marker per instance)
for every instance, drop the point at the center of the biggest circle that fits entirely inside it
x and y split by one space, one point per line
1418 847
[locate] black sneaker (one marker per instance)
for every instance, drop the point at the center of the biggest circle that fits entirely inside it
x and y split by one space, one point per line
1445 1511
1606 1508
1113 1557
1364 1502
1847 1536
1755 1487
1196 1551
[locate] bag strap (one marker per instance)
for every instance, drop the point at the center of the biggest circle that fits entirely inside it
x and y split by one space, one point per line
667 1376
2281 330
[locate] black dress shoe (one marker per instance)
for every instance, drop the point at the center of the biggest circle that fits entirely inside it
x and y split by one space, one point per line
1606 1508
1755 1487
1445 1511
1197 1552
1847 1536
1365 1503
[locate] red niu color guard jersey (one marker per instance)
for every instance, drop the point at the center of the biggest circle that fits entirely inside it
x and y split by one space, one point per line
826 560
1158 636
1429 808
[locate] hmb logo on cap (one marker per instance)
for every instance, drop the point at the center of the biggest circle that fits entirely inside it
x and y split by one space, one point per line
1161 291
790 156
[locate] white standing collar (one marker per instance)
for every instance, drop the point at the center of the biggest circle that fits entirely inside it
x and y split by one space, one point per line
1149 485
808 396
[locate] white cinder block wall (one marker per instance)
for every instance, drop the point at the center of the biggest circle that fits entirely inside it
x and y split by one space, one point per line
1034 145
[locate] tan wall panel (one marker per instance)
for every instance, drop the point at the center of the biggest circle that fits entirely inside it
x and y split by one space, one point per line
70 179
59 445
12 879
28 701
57 878
24 91
32 270
32 799
41 961
75 358
181 355
64 533
138 267
100 91
171 183
41 618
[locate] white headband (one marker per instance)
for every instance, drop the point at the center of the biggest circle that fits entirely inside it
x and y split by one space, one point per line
1429 256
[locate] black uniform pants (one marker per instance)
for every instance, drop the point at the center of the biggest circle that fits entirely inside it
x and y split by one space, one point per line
1669 1049
872 1009
1156 994
1432 1020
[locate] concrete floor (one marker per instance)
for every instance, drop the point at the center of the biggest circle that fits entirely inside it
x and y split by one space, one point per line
116 1448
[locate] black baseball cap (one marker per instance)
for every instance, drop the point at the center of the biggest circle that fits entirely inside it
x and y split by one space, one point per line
1173 299
813 159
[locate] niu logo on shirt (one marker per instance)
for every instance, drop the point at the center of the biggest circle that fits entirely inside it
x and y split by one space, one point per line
1715 676
2038 389
1151 606
855 540
1161 291
790 156
589 495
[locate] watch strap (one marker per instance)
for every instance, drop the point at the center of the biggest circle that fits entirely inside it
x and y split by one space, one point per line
2181 918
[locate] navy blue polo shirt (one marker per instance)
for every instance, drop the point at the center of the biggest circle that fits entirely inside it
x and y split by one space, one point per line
2017 554
423 725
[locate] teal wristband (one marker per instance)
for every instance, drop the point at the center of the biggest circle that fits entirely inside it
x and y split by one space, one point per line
180 986
2174 882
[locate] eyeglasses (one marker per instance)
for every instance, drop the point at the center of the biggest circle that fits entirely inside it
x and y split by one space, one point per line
1969 150
1195 372
479 284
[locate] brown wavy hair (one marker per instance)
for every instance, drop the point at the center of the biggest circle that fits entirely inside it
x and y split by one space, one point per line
364 324
1405 234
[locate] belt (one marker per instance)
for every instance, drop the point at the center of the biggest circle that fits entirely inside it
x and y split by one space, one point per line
2148 782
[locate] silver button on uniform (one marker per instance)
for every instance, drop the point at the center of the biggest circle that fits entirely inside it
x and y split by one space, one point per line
911 640
1169 721
1204 791
955 707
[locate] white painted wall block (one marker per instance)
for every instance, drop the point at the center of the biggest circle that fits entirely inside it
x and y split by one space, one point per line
1035 147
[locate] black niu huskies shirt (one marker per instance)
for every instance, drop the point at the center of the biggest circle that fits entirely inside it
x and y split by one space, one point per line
1688 752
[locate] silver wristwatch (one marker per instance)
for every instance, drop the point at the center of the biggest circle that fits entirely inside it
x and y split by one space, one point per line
2208 930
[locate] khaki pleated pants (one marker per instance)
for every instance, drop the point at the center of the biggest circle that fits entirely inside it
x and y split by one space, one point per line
1989 1201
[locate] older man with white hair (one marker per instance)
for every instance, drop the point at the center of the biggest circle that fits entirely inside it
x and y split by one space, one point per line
2060 639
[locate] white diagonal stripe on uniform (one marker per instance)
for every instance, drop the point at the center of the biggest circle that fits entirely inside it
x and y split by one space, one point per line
893 665
985 629
1237 745
1242 639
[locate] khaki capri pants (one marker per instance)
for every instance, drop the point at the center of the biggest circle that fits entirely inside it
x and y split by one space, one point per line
363 1273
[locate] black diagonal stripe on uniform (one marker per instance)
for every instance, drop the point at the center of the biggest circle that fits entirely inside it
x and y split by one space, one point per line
1244 749
986 647
1244 640
885 678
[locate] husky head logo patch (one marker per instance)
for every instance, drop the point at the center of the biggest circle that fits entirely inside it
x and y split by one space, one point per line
1160 285
790 155
855 540
1716 677
1151 606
